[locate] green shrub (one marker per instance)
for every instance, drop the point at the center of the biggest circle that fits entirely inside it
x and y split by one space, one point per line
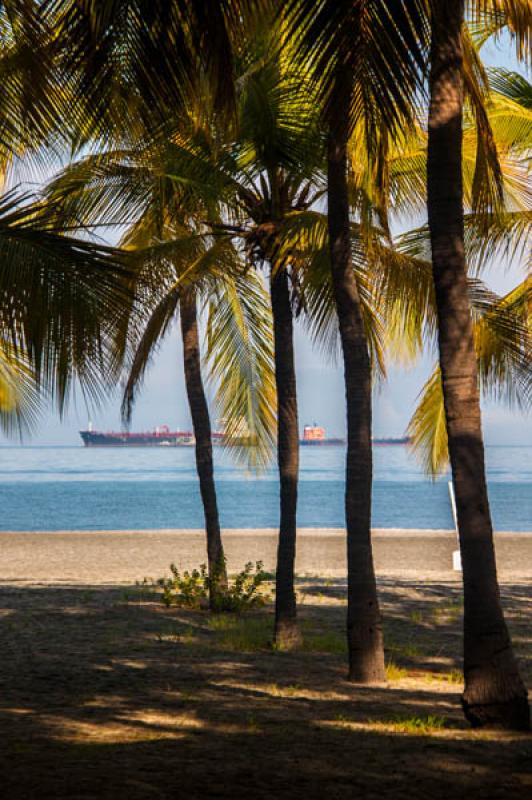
192 589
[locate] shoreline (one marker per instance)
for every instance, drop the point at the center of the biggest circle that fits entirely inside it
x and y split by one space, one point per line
123 557
395 531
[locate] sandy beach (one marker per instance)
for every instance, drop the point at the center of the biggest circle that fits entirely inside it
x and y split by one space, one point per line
116 557
108 694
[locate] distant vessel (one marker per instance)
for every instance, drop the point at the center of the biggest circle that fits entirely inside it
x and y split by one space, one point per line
162 436
400 440
314 435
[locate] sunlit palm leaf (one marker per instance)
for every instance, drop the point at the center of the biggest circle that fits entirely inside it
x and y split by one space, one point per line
503 343
240 358
20 400
427 429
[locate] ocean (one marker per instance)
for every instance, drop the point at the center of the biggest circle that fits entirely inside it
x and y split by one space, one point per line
77 488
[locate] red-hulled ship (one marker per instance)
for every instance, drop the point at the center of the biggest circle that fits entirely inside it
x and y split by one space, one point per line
162 436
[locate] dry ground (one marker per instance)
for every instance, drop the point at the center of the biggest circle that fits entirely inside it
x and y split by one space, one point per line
106 694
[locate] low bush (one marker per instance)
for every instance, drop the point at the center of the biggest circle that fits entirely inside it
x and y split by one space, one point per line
192 589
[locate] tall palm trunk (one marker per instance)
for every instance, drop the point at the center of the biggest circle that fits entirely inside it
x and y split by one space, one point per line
287 633
202 432
494 692
364 629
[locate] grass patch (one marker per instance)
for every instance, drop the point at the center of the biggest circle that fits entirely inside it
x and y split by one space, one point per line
327 642
454 676
242 634
407 650
394 672
447 613
412 724
178 635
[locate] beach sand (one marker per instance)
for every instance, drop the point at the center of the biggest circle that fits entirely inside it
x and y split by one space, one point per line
106 694
114 557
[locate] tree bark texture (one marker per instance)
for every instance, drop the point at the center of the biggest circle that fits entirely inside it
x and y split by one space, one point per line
201 425
287 635
364 628
494 693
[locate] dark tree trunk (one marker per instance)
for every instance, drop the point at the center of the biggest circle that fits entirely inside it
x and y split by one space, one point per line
494 693
287 635
364 629
202 432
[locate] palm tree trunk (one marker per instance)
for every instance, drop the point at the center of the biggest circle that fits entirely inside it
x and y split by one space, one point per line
201 425
287 635
494 692
364 629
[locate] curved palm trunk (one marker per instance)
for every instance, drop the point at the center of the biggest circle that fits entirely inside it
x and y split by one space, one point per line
287 635
364 629
494 692
202 432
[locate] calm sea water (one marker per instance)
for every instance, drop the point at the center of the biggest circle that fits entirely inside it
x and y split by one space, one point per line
74 488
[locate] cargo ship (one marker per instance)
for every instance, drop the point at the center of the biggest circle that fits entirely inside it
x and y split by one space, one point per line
162 436
314 435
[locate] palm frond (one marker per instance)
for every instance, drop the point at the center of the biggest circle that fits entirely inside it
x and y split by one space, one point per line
239 356
54 291
427 429
20 399
135 59
498 236
512 85
404 287
511 112
487 182
489 18
29 93
503 342
144 348
304 244
371 41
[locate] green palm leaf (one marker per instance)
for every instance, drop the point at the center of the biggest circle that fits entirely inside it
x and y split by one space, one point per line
502 334
240 358
54 290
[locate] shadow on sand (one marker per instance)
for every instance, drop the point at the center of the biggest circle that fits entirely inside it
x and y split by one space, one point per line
107 694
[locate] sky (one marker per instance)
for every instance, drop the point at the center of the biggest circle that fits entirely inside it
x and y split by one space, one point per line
319 380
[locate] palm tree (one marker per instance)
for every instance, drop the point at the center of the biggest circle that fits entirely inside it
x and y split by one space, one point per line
244 181
404 279
267 170
355 46
201 424
494 692
177 264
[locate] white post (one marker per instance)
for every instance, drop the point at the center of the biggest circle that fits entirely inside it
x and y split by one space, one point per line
457 559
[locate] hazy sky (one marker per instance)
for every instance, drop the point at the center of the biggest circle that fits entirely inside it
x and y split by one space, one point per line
320 382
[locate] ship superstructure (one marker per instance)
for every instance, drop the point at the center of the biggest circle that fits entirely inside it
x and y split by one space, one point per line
314 435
